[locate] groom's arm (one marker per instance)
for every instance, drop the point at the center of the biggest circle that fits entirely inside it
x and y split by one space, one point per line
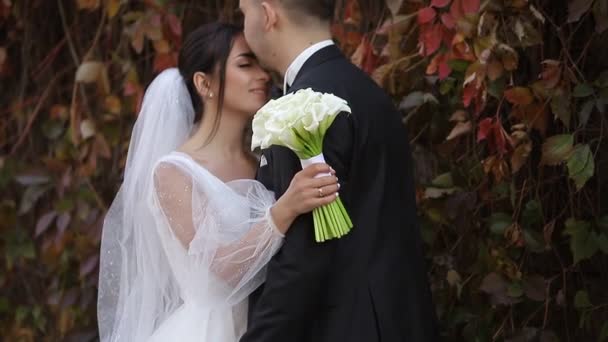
297 276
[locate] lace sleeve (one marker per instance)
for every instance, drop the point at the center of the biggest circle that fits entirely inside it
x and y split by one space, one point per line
225 230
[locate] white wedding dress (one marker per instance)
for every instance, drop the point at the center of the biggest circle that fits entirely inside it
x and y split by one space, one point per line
231 237
181 250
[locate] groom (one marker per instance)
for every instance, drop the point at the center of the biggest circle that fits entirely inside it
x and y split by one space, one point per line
370 285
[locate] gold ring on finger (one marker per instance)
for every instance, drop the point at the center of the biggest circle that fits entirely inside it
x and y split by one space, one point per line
320 192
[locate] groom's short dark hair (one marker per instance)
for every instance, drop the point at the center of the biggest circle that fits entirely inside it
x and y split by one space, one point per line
319 9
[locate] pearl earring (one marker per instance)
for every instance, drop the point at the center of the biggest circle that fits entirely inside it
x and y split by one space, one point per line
210 94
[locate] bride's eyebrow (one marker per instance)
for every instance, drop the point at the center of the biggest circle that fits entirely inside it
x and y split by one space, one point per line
247 55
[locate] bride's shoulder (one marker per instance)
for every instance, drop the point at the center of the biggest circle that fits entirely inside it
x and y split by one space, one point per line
170 170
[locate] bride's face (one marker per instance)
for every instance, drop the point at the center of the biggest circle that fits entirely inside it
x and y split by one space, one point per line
247 84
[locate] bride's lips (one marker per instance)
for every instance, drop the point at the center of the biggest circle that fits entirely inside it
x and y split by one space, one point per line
259 91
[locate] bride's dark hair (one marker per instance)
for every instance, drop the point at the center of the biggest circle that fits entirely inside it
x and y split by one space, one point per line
206 49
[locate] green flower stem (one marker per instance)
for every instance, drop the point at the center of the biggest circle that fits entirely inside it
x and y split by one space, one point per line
336 226
328 229
341 222
317 224
349 222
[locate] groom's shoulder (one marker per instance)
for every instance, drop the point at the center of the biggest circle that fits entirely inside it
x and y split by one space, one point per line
343 76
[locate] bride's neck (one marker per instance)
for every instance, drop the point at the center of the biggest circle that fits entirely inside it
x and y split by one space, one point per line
228 140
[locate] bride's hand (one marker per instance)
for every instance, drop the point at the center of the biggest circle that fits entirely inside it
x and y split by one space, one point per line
304 194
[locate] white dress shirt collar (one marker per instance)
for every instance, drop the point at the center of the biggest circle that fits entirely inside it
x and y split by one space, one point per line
296 65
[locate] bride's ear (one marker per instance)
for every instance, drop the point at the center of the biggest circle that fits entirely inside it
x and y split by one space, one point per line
203 84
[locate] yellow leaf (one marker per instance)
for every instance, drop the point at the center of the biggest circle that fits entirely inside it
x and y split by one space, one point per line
87 129
495 69
519 96
394 6
380 74
112 7
112 104
520 156
510 58
453 278
460 129
88 4
162 46
459 116
88 72
2 55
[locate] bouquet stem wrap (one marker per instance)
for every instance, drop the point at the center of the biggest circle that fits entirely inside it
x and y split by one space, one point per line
331 221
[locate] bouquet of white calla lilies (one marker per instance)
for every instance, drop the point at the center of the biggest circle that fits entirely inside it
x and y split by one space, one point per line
299 122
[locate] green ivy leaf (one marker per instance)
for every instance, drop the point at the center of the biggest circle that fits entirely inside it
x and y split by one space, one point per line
444 180
582 90
499 222
600 15
604 332
497 88
458 65
577 8
557 148
560 106
515 290
602 80
31 195
532 214
533 241
602 241
581 300
581 165
4 305
603 223
582 242
446 86
583 115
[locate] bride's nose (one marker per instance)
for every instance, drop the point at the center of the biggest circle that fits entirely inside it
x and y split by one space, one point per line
263 75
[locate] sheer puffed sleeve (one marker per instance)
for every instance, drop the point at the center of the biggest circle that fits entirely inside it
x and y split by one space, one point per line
218 236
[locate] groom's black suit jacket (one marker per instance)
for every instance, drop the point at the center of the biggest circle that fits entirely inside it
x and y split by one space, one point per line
370 285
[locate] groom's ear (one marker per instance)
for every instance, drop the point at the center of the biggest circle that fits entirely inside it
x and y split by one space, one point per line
271 17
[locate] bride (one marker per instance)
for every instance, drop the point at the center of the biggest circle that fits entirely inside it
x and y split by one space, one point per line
189 233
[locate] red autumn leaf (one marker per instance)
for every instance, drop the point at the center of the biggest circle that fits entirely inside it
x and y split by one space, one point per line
164 61
352 13
519 96
365 57
485 128
500 138
433 66
440 3
349 39
444 67
492 131
134 89
470 6
447 36
130 88
551 73
430 38
175 25
448 20
469 92
426 15
456 9
533 115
